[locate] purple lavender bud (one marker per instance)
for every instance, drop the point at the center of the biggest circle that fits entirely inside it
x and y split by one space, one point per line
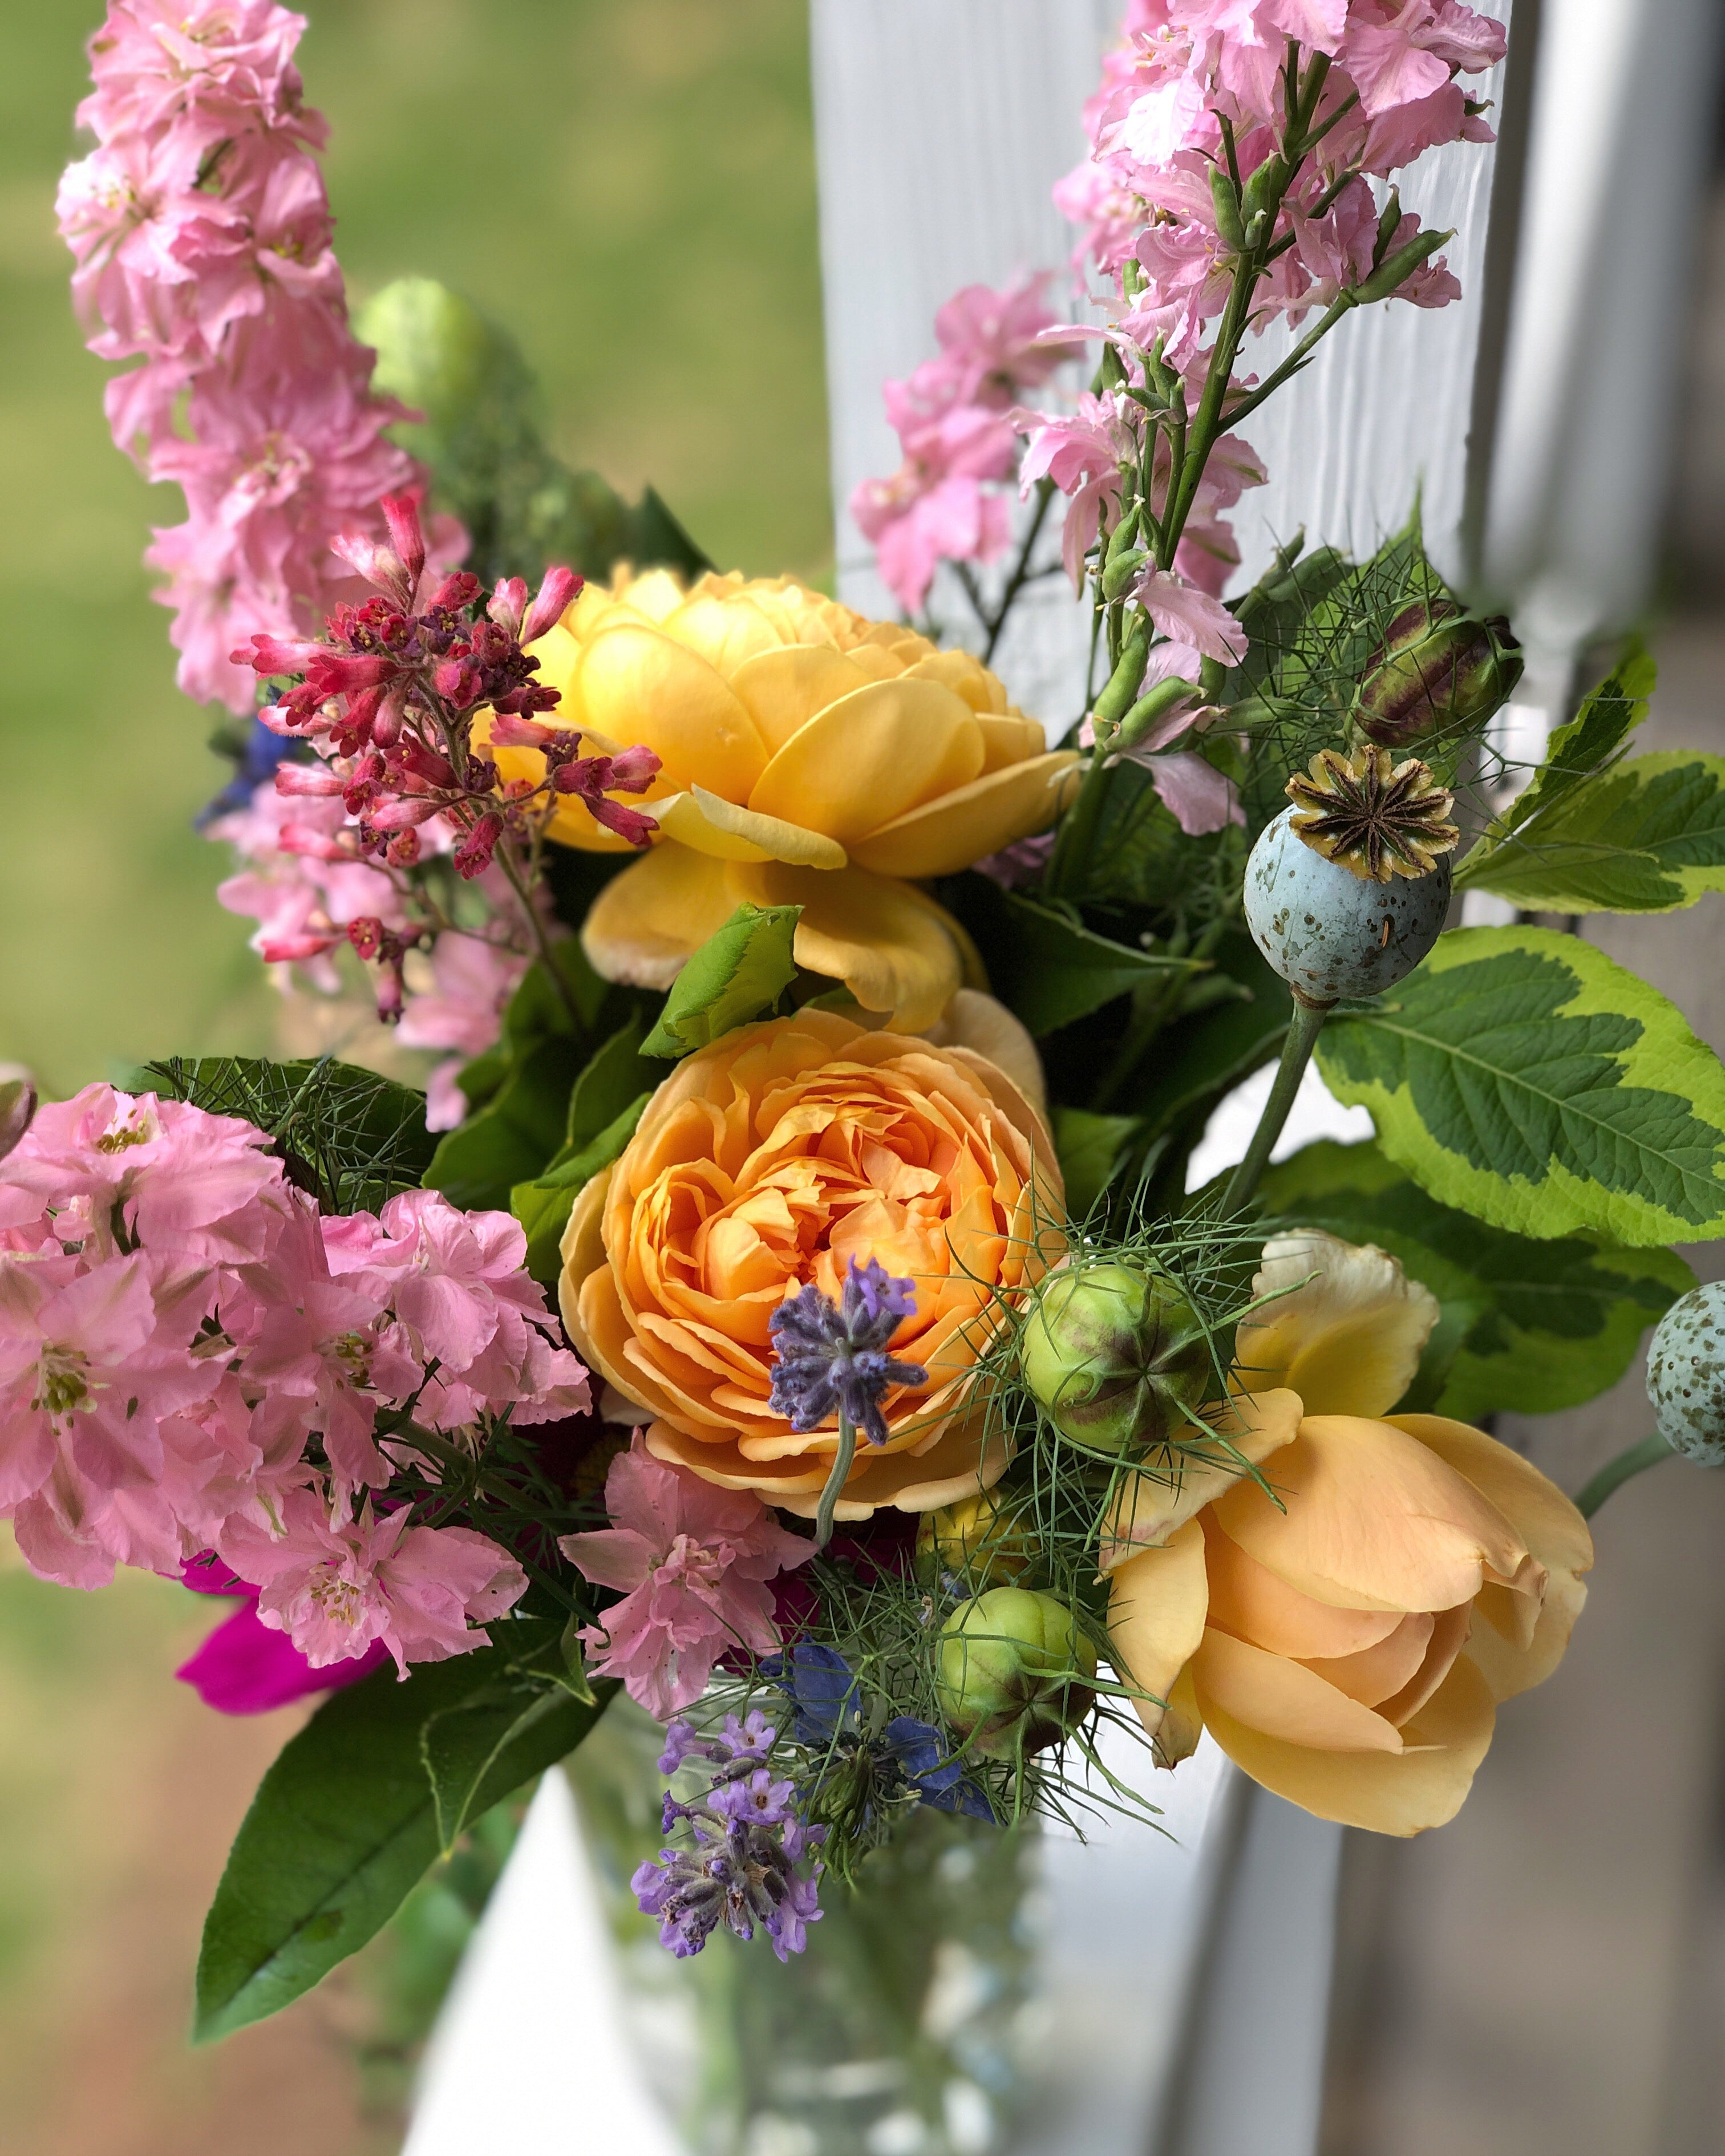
832 1357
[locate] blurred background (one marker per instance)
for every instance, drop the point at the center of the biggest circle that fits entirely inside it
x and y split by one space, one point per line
630 184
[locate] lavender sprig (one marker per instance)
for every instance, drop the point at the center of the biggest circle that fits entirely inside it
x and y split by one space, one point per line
832 1359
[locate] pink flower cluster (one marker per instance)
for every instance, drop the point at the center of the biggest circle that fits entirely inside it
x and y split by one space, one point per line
193 1358
952 419
202 235
691 1561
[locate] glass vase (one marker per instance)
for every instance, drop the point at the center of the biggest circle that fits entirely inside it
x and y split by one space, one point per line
899 2032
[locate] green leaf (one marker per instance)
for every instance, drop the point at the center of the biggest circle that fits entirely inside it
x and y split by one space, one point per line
519 1129
1528 1327
1644 836
1522 1076
543 1205
739 974
1589 742
614 1079
1201 1057
1048 967
343 1827
1090 1148
492 1743
351 1137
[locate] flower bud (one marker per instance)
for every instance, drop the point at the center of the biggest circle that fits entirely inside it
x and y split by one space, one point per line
1013 1674
980 1540
1437 670
1685 1375
1115 1356
17 1107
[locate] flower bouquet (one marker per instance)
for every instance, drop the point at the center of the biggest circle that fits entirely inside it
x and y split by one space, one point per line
787 1303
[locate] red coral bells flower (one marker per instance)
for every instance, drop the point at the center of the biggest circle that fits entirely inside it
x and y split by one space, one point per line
392 697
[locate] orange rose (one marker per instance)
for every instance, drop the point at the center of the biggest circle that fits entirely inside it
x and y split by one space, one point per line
1345 1638
771 1159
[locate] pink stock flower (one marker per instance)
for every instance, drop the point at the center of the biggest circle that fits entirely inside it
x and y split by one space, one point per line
995 341
472 982
915 526
334 1587
691 1561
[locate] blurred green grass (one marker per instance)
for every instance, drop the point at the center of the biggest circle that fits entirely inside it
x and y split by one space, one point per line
630 184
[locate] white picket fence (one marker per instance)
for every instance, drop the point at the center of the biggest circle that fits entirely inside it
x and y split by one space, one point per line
1190 1977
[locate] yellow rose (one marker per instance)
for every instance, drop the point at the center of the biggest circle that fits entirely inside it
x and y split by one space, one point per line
1345 1641
771 1159
810 757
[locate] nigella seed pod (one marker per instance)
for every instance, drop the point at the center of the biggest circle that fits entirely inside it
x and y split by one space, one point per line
1013 1672
1685 1375
1115 1356
980 1539
1330 933
1437 672
17 1107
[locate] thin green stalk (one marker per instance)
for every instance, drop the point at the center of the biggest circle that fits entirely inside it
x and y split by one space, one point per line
1623 1468
835 1481
1306 1025
504 857
1020 570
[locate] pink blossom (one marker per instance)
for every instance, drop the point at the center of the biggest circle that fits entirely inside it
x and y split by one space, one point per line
691 1561
472 982
996 341
1082 455
914 527
245 1667
1188 615
335 1586
1417 50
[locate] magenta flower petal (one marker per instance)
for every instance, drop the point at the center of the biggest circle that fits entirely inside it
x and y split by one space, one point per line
244 1668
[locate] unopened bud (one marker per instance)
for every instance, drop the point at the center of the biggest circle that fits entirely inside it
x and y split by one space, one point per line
17 1105
1438 670
983 1540
1115 1356
1685 1375
1013 1673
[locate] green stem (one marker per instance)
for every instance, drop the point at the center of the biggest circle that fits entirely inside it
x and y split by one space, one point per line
1306 1025
835 1482
537 929
1020 571
1616 1472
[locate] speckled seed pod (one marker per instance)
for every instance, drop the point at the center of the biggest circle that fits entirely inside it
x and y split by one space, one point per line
1330 933
1685 1375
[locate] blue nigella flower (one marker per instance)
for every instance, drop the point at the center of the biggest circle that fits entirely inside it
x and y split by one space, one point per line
826 1701
263 752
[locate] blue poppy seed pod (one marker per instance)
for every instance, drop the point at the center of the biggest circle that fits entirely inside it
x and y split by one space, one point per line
1115 1356
1437 671
1013 1671
1330 933
1685 1375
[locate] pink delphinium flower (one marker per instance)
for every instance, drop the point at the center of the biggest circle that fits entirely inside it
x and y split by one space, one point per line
472 981
335 1586
691 1561
201 233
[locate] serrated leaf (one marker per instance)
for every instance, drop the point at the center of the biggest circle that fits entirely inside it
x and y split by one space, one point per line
543 1205
1529 1326
503 1734
1645 836
342 1828
738 974
1587 743
1523 1076
1090 1148
352 1137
